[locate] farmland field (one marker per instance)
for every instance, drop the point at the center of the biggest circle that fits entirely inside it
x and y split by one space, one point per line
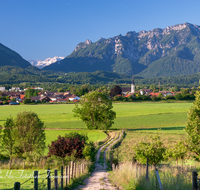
129 115
141 120
125 151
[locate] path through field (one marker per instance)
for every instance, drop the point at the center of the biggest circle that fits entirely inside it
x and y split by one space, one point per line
99 178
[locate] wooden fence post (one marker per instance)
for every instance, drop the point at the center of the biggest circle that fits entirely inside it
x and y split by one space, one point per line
158 179
81 168
61 177
48 179
56 179
17 186
10 164
147 170
113 167
66 167
69 174
72 168
75 170
194 181
43 163
136 170
35 180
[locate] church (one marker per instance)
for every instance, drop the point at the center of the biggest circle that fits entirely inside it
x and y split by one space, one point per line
131 89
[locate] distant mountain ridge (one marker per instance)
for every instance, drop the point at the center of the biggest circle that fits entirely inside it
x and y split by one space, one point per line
42 63
10 57
172 51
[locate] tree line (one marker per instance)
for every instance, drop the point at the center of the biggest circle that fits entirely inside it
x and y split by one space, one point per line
24 137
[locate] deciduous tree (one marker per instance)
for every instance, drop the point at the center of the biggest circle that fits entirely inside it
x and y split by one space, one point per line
115 91
154 150
193 127
96 111
29 133
8 137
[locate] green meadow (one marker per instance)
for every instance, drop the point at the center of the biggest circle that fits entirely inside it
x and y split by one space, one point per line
140 120
129 115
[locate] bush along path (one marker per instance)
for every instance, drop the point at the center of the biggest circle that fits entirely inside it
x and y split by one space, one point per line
99 178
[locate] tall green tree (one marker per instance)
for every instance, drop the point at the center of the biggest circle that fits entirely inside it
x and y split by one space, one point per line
29 133
8 137
96 111
193 128
31 92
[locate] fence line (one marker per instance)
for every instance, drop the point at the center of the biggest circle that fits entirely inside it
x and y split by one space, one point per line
73 170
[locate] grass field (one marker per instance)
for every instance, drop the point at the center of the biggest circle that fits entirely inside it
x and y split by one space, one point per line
9 177
129 115
125 151
142 119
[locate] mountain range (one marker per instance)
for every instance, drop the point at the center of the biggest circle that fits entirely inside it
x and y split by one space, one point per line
42 63
168 52
11 58
172 51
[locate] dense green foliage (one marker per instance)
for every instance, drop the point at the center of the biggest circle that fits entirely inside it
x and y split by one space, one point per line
17 75
96 111
178 151
49 80
31 92
154 150
193 127
8 140
23 135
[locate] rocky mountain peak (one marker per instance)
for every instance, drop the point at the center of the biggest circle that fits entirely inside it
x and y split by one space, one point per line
88 42
160 52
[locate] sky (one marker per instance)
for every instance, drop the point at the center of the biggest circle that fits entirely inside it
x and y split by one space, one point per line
38 29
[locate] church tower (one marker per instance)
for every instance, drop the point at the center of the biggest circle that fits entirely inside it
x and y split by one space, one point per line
133 86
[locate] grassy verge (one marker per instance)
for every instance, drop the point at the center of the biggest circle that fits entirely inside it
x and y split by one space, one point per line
125 151
129 176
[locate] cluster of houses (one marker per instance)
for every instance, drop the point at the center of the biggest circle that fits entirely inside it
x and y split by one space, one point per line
128 91
47 96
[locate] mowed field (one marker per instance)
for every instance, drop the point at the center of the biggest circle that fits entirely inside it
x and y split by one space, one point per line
129 115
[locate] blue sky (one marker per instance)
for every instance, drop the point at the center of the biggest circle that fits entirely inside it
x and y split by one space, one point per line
37 29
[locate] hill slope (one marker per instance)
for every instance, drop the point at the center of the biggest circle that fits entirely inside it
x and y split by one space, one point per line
172 51
10 57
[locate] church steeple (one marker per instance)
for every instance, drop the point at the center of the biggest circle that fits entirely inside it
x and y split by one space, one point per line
133 80
133 86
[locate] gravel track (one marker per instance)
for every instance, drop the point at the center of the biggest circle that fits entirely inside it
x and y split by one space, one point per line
99 178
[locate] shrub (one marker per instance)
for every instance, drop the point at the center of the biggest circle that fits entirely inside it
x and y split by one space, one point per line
72 143
89 151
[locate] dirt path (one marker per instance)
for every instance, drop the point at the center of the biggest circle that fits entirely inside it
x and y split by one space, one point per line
99 178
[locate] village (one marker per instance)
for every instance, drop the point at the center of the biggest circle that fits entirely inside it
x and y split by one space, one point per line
16 96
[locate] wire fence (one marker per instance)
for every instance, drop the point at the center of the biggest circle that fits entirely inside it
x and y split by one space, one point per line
51 179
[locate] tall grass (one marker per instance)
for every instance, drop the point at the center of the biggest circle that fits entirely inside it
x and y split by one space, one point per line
131 176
